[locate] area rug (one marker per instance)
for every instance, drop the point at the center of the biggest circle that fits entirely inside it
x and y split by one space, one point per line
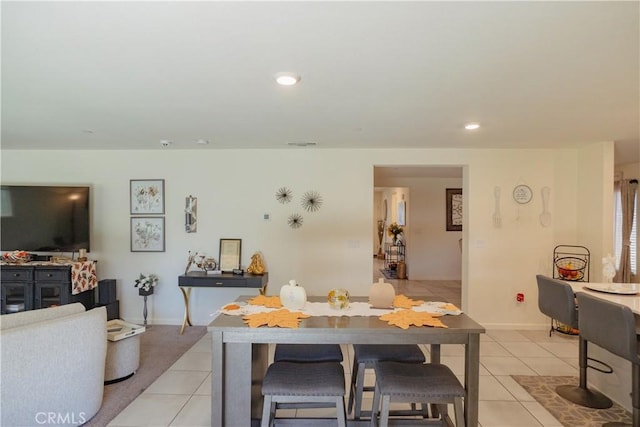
160 347
542 388
389 274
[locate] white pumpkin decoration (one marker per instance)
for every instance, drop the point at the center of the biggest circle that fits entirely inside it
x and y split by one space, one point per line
293 296
381 294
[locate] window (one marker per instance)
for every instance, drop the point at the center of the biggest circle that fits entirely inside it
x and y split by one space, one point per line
618 232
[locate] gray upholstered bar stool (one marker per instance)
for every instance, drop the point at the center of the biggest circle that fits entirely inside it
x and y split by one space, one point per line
612 326
318 383
431 383
556 300
308 353
365 356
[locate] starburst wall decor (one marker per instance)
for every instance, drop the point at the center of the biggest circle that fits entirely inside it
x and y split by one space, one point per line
295 220
311 201
283 195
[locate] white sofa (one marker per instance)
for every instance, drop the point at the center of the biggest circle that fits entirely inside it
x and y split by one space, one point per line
52 365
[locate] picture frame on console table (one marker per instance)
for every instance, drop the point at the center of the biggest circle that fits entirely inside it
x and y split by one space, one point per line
230 251
146 196
147 234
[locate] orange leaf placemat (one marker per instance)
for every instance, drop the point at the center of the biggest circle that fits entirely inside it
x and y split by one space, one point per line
402 301
405 318
271 302
282 318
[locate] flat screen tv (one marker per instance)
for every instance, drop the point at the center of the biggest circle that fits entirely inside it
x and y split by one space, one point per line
39 218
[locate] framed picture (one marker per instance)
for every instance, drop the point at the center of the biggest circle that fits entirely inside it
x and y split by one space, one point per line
230 251
454 209
146 196
147 234
401 213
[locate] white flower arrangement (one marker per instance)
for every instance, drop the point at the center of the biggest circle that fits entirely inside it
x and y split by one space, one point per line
146 282
608 268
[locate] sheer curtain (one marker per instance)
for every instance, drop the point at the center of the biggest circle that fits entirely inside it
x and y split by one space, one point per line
626 223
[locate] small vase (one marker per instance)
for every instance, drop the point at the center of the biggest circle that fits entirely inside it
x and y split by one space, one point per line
144 293
338 299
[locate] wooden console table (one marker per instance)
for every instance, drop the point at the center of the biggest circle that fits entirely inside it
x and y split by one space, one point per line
200 279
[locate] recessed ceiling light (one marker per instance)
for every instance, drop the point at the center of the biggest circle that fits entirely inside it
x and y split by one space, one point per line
202 142
165 142
287 79
472 126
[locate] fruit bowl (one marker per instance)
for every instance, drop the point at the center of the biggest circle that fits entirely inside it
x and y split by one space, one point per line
570 268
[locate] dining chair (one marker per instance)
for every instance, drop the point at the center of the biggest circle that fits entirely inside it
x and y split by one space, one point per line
557 300
365 356
431 383
612 326
320 384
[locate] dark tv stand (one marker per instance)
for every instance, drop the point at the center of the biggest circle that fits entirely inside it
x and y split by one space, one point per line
29 287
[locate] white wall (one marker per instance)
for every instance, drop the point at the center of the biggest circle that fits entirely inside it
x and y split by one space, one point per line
595 203
334 247
629 170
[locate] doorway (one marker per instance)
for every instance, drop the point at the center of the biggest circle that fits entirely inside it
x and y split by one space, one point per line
432 252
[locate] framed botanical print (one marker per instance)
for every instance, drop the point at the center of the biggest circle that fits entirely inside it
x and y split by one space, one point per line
147 234
146 196
454 209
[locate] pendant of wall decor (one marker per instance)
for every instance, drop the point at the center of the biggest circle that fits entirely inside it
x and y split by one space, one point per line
283 195
191 214
311 201
522 194
295 220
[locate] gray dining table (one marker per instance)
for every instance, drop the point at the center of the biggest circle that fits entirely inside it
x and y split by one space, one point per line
240 356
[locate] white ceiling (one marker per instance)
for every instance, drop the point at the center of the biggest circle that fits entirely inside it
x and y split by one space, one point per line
125 75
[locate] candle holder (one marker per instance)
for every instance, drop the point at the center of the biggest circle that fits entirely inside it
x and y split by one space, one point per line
145 293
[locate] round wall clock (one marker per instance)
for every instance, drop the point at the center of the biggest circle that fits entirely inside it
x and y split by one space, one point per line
522 194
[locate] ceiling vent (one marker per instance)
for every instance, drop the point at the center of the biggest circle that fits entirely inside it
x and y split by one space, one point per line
302 144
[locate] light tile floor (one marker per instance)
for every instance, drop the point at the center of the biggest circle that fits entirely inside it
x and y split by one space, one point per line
181 396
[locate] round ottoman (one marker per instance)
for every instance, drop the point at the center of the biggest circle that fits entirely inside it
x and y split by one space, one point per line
123 359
